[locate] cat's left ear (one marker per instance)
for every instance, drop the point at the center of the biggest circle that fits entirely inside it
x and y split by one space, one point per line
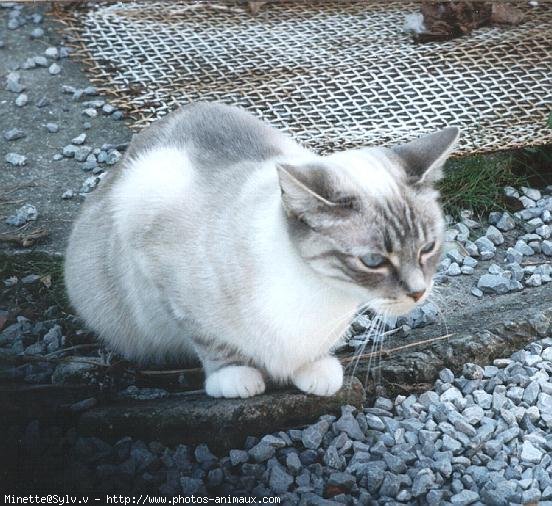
424 157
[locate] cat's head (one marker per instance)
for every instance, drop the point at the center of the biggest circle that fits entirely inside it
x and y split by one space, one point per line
369 220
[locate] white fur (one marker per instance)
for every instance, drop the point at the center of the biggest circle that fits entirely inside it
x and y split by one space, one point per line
322 377
152 183
235 381
373 173
307 314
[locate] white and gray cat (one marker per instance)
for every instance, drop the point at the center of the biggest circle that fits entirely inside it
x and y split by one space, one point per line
222 239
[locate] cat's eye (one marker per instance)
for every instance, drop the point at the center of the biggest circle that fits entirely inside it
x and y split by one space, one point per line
373 260
427 248
346 202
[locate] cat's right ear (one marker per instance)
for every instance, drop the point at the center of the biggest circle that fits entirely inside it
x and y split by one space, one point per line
300 188
308 193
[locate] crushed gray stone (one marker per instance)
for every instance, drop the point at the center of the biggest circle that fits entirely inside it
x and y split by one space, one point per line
90 112
52 52
14 134
16 159
506 223
36 33
13 83
492 283
54 69
40 61
21 100
25 213
80 139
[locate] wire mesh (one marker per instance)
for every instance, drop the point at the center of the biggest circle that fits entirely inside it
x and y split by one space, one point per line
335 74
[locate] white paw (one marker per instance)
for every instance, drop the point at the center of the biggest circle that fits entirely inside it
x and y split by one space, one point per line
323 377
235 381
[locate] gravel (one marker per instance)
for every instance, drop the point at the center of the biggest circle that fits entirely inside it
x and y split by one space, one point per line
21 100
90 112
36 33
16 159
79 139
52 52
493 283
52 127
506 223
54 69
13 83
13 134
24 214
482 437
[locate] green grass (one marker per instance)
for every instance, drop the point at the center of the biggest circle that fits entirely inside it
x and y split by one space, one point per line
477 182
43 265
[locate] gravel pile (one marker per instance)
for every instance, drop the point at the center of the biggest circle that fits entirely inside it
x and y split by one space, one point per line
518 244
481 438
48 61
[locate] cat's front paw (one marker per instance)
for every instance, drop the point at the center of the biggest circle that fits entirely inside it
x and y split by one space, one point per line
235 381
323 377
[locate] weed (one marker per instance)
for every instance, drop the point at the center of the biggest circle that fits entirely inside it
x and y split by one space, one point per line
477 182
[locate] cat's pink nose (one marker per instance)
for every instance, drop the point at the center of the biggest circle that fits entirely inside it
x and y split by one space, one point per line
416 295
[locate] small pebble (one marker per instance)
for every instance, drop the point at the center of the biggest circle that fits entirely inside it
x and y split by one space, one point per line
42 102
24 214
13 134
16 159
52 52
13 83
79 139
21 100
40 61
54 69
37 33
90 112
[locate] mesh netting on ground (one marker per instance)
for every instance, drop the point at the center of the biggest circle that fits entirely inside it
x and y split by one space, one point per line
335 74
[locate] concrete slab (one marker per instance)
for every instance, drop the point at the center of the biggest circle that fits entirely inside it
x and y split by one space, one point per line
42 181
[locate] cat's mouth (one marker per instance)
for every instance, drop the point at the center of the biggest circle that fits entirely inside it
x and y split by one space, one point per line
397 307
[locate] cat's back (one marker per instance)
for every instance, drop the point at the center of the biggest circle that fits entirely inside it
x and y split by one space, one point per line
214 136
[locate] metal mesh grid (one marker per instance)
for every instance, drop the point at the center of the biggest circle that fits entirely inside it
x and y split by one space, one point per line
335 74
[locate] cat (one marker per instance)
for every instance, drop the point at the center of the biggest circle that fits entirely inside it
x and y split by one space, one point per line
221 239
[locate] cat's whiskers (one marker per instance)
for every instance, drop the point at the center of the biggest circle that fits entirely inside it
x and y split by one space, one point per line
360 350
439 302
375 331
384 319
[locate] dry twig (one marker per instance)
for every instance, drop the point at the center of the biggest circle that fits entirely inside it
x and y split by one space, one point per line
72 348
346 360
25 240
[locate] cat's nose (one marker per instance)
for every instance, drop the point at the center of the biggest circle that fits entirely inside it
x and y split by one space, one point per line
416 295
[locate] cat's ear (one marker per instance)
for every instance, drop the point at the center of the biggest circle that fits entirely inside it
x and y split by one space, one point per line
424 157
309 193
